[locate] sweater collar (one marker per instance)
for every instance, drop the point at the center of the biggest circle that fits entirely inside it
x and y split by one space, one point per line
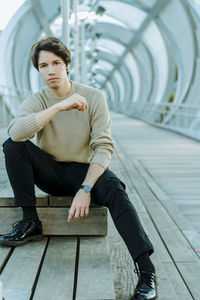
72 91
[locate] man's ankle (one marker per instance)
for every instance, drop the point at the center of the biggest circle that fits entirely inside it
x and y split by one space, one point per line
144 263
30 212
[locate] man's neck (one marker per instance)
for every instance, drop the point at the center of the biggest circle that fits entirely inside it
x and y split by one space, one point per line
61 91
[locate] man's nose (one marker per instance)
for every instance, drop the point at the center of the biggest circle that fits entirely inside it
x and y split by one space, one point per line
51 70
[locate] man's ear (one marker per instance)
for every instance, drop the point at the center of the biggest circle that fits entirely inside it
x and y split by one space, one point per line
67 66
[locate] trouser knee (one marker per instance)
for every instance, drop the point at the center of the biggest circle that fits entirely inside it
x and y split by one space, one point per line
113 191
11 148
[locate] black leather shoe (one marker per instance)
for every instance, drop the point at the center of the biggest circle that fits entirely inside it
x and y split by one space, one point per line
146 286
23 231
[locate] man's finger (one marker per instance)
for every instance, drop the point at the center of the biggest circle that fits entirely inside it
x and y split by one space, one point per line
87 211
76 217
71 213
82 214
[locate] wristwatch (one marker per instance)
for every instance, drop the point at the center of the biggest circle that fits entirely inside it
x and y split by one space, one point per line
86 188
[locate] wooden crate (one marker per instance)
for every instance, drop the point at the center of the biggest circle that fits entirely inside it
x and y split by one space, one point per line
53 213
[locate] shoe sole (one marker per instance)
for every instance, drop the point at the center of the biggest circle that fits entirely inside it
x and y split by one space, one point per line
20 243
143 298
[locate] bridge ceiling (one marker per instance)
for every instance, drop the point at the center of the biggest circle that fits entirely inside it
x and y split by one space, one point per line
143 53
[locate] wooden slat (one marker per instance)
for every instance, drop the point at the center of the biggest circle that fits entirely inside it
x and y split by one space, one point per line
12 294
21 269
4 254
191 273
7 196
56 279
178 247
65 201
177 283
161 255
94 272
182 223
54 220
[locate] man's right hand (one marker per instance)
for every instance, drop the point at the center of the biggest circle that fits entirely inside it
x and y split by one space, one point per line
75 101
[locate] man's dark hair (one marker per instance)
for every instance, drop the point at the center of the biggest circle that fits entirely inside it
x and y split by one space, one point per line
52 44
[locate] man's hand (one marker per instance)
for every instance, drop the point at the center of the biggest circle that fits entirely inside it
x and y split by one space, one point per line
75 101
80 206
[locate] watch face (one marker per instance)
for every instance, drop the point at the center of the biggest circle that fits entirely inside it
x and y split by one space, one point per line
87 188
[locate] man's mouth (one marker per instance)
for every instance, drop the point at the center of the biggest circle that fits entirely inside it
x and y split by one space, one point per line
52 79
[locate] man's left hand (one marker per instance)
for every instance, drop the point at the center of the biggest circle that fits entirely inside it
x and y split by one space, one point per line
80 206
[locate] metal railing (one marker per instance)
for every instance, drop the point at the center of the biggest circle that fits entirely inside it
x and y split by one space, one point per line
10 100
182 118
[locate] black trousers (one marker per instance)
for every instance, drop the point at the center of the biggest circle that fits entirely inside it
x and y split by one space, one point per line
27 165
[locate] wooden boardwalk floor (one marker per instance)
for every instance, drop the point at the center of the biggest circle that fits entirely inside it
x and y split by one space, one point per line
161 170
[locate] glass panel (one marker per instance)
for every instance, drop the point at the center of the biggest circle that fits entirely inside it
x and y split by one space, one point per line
132 16
104 65
111 45
155 44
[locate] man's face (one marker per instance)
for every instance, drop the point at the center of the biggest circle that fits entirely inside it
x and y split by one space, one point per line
52 69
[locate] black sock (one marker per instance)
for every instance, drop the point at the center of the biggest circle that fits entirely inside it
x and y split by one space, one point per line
30 213
144 263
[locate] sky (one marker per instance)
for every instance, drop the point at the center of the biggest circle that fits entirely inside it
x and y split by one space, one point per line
7 10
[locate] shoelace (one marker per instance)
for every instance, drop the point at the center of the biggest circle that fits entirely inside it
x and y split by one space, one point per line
144 275
136 270
20 224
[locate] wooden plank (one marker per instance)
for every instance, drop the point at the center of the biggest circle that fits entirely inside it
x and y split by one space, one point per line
94 272
182 223
66 201
191 273
21 269
160 256
7 197
167 227
194 239
13 294
177 283
54 220
56 279
125 279
43 199
5 252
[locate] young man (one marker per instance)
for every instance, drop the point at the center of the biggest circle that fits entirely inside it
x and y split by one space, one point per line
74 147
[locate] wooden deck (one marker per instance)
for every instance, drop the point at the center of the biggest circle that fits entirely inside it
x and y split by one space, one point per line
161 170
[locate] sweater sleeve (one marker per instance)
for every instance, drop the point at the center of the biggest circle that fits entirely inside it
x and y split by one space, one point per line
101 142
24 126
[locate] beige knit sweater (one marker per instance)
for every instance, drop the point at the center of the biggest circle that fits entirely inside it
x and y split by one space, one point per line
71 136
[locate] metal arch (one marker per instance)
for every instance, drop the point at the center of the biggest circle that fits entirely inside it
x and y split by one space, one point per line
178 60
107 90
22 13
5 38
114 27
109 58
119 20
38 10
149 56
115 31
126 78
158 6
130 2
116 86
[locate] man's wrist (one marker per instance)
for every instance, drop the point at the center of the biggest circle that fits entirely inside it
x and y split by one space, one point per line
56 108
87 188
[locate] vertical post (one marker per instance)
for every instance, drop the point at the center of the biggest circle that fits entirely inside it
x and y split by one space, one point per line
83 64
76 40
65 10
